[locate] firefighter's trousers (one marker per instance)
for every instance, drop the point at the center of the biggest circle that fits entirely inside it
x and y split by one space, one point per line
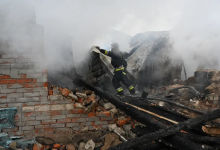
121 76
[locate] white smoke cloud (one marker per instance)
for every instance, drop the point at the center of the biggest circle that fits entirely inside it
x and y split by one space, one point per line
194 25
197 34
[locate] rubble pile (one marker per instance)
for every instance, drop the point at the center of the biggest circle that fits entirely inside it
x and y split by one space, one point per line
92 123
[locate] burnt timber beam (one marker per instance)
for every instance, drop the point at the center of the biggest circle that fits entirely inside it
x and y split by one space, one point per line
179 142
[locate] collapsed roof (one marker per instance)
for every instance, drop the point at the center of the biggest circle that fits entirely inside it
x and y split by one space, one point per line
150 62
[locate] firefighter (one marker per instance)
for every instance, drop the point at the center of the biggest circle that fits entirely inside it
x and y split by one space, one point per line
120 65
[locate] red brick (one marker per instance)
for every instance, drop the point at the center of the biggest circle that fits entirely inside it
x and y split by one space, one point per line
30 85
4 76
45 84
3 97
122 122
91 114
57 146
64 120
104 113
34 81
37 147
54 113
9 81
24 80
76 111
70 147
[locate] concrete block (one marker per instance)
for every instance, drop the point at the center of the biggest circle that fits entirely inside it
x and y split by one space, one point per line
7 100
64 112
59 117
2 95
7 90
5 66
10 55
25 100
48 121
29 123
55 97
16 95
57 125
88 123
42 117
101 122
84 115
69 106
5 71
73 115
42 126
45 77
32 94
32 103
42 108
26 128
14 73
21 71
8 60
76 128
28 109
72 124
81 120
15 86
43 99
29 118
23 60
58 107
35 75
40 89
20 66
18 105
23 90
56 91
3 86
92 119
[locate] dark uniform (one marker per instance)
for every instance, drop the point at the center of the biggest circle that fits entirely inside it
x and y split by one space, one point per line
120 64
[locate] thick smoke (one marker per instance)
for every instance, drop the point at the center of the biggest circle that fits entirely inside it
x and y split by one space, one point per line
196 36
73 26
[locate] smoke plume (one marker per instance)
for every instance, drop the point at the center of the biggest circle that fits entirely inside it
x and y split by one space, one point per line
76 25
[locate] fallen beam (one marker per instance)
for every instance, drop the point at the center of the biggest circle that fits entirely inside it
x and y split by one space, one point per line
175 140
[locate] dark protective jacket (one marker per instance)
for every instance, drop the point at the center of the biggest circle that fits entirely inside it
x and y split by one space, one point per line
117 59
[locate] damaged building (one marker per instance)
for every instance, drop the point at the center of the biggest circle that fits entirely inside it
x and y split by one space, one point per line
41 109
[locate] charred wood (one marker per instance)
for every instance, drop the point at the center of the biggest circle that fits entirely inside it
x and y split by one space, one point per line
175 140
96 67
95 61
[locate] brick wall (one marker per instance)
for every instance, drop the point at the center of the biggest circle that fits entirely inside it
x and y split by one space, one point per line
24 84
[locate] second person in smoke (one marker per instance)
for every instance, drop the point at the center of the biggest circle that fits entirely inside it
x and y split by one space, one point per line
120 65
